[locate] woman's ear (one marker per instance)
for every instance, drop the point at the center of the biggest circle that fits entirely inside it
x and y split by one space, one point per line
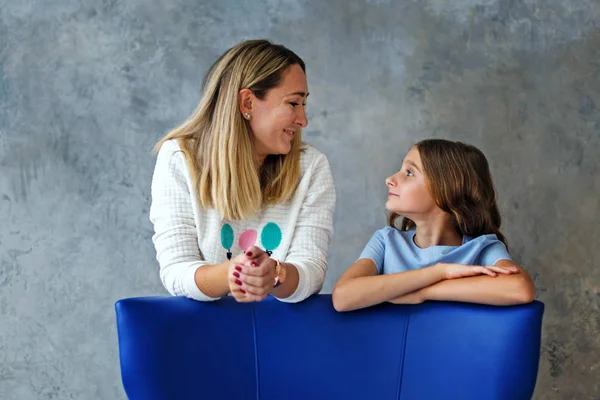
245 98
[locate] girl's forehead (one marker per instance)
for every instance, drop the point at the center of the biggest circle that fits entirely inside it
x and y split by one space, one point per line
413 155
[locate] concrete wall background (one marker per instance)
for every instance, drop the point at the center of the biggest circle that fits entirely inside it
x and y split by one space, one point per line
86 89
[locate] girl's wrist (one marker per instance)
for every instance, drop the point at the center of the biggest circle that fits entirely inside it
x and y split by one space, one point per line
424 293
440 272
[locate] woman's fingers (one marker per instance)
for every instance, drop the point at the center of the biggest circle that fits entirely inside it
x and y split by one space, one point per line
252 275
253 253
255 297
256 285
254 268
256 281
237 292
251 287
235 287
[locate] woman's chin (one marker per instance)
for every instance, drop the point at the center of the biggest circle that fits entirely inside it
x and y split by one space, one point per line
284 149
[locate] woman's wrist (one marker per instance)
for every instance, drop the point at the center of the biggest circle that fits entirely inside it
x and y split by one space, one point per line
289 281
280 273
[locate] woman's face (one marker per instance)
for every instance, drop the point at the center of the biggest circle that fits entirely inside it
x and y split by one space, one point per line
276 118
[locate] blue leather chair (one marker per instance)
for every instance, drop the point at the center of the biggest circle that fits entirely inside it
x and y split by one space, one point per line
173 348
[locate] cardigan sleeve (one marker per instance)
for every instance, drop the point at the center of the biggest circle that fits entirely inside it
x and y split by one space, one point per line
175 233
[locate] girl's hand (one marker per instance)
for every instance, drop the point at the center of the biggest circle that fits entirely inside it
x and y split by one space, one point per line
255 275
454 271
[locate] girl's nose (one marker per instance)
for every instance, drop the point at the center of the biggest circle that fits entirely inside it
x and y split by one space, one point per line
389 182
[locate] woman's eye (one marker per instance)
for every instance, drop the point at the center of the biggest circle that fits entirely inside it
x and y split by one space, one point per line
408 173
294 104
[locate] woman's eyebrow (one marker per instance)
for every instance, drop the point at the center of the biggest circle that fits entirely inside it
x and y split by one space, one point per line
301 94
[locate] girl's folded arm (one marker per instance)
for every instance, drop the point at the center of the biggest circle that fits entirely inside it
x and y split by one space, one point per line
500 290
360 286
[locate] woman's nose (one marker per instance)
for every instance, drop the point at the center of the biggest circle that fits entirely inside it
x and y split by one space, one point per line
389 182
301 119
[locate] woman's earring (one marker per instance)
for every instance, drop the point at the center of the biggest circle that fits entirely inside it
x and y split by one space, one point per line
247 115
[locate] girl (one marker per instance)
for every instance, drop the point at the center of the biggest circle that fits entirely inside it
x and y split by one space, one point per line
449 246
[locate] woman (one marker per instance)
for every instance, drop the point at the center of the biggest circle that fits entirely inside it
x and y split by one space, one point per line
235 179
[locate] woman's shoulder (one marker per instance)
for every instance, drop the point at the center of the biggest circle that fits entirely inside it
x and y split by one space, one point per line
310 155
171 157
171 152
169 147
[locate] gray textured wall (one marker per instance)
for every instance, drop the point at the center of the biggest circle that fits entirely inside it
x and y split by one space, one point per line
87 88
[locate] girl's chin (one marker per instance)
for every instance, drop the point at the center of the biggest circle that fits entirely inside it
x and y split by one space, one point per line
392 209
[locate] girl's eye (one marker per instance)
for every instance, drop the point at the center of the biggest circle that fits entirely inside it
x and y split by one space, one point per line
408 173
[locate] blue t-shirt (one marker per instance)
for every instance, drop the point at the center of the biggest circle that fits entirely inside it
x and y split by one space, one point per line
395 251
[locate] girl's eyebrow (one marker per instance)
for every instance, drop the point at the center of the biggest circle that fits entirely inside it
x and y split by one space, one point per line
412 164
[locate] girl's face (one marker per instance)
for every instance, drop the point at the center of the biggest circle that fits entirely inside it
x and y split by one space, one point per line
409 194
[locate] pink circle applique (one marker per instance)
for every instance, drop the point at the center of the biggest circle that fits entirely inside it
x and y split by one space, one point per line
248 239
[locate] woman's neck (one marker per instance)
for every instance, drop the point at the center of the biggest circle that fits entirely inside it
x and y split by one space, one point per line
260 160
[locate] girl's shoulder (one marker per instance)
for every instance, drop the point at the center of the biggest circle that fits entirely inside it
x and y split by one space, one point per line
391 233
483 240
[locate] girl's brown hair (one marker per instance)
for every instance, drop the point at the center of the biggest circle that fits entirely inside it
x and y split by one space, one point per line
460 182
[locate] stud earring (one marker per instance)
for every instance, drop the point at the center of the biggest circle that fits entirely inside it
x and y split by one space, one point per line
247 115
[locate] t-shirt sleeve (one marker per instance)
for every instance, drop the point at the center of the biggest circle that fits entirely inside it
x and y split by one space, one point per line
375 250
495 252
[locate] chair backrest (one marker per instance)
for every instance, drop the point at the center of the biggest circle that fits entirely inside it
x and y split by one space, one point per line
177 348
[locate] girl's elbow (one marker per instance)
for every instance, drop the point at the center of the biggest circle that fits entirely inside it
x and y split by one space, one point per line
526 293
339 300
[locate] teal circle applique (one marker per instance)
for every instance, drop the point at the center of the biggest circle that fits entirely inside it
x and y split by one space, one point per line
270 237
227 239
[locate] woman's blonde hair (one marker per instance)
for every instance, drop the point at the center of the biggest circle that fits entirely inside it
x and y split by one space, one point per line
459 180
217 140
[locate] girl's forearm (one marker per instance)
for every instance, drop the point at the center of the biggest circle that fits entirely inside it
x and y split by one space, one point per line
365 291
500 290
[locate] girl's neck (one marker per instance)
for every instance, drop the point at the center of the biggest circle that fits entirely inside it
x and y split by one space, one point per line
437 232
